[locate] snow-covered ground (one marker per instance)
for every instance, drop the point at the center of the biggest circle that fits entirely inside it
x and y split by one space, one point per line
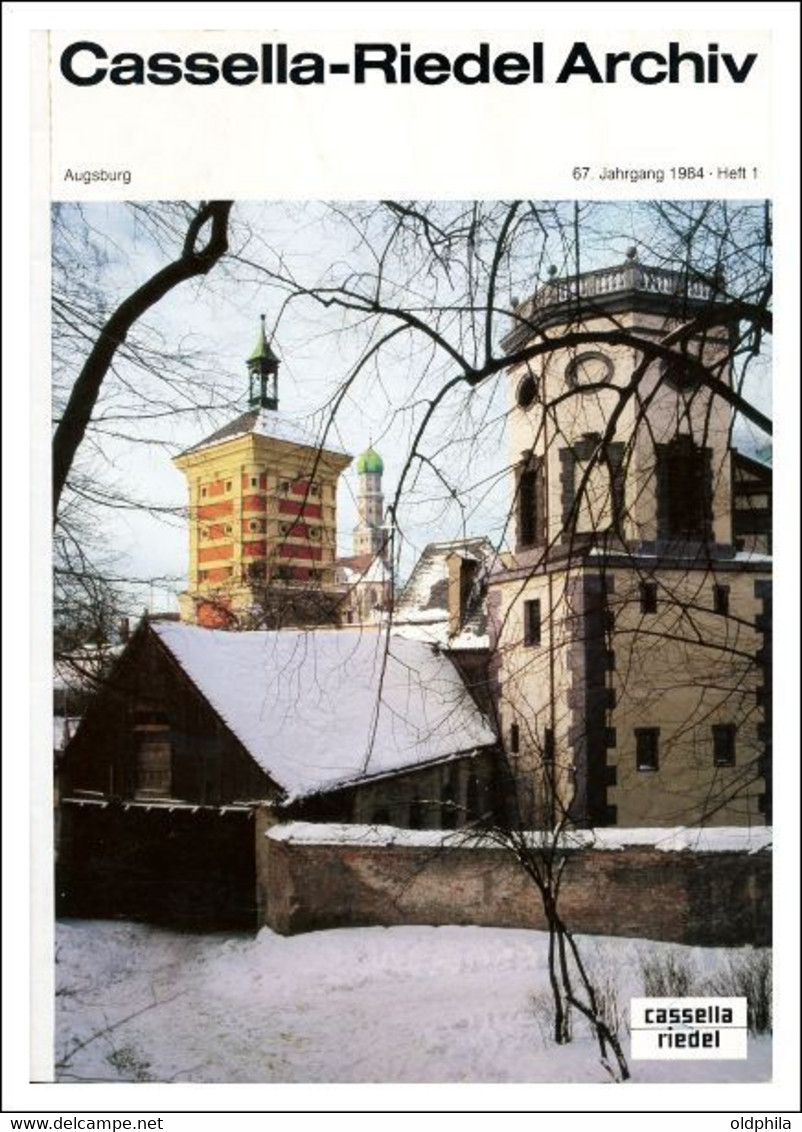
406 1004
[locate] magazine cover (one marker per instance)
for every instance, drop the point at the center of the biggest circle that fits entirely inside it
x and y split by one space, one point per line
402 692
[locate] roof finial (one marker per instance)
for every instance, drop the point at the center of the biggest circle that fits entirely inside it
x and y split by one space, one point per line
263 372
262 351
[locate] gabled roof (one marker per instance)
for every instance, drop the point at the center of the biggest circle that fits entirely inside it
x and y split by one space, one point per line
266 422
357 562
319 710
362 568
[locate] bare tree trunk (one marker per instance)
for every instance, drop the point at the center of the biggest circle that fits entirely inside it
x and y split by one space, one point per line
562 1021
194 260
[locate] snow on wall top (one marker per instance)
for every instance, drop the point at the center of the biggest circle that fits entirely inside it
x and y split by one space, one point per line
722 839
318 710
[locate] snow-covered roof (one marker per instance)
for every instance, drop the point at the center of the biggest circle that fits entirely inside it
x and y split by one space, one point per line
362 568
421 612
436 633
267 422
323 709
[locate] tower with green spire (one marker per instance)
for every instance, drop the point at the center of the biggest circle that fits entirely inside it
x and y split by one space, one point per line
262 515
263 373
370 536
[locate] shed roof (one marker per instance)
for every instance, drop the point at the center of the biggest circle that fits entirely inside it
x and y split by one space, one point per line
319 710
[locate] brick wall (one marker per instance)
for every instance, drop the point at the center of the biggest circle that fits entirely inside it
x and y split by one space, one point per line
706 898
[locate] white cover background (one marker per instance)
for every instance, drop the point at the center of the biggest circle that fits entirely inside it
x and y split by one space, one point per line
342 140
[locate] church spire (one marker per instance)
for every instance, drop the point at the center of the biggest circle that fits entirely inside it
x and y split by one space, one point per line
370 535
263 373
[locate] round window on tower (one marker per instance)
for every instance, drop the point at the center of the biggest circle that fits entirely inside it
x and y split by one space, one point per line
588 369
680 373
526 393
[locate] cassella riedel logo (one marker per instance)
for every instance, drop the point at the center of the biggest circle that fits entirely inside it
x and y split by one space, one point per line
87 63
689 1029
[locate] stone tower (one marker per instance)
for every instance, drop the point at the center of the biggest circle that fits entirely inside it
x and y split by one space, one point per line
631 636
262 514
370 535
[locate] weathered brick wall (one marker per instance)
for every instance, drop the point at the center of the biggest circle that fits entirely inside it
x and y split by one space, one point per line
686 897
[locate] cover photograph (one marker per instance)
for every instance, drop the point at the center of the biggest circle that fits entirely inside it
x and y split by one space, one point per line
403 702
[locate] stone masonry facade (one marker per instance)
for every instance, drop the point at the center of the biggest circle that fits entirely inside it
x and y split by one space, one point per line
700 898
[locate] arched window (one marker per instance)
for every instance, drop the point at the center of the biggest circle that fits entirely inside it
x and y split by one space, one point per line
530 502
684 489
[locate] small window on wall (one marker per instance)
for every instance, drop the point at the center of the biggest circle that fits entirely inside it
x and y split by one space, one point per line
529 504
229 528
284 485
647 753
648 597
153 767
515 739
548 745
416 812
723 744
229 485
203 492
314 532
526 392
473 809
448 804
204 533
532 623
254 481
721 600
254 525
314 489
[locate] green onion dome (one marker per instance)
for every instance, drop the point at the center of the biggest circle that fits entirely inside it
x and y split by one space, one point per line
370 462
